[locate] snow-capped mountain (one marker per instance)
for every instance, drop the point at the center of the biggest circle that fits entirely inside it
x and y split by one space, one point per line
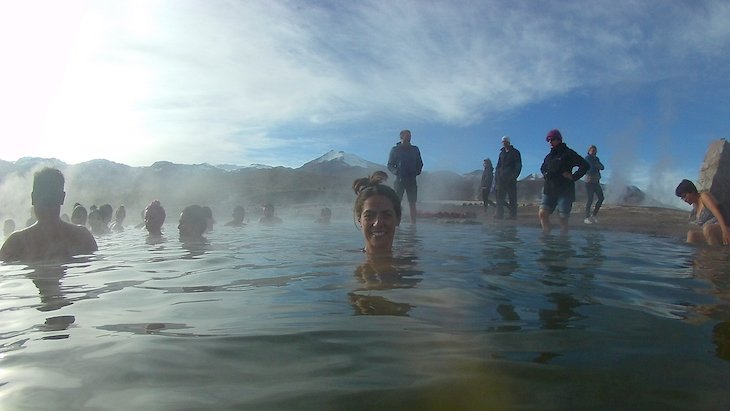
333 161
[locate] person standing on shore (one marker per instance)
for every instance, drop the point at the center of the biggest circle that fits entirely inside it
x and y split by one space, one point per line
405 162
593 185
487 180
509 167
559 188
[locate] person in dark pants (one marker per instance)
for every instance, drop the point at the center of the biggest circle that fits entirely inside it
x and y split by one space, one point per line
487 180
593 185
405 162
509 167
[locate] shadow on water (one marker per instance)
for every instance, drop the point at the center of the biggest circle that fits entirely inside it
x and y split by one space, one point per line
194 249
713 264
381 275
570 268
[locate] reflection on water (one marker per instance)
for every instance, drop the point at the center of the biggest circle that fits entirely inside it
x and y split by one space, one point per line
290 317
379 274
47 279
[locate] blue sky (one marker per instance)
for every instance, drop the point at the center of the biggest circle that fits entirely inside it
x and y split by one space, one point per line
282 82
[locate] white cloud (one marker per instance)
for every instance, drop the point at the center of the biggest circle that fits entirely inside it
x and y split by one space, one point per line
224 80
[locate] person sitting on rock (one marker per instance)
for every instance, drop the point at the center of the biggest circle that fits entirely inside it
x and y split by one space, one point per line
707 214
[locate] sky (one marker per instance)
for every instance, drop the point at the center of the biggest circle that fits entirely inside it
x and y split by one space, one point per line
283 82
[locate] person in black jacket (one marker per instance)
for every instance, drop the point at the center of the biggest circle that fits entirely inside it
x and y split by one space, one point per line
405 162
509 167
559 188
487 180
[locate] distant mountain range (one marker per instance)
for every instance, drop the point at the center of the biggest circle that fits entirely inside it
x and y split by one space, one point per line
325 180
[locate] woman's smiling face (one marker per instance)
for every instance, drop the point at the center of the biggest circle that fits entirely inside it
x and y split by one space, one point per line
378 221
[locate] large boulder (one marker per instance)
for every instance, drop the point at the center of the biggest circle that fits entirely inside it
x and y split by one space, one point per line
715 171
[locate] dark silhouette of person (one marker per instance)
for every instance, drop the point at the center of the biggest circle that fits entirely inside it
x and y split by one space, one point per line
405 162
509 167
559 186
50 237
79 215
154 217
269 218
487 180
239 214
118 224
96 223
193 223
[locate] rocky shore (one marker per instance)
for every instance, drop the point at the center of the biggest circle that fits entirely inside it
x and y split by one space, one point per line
656 221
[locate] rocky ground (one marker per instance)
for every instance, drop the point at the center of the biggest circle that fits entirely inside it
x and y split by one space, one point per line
658 221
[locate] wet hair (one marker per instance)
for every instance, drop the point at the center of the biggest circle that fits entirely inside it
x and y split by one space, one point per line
367 187
121 213
239 211
208 212
95 222
79 215
685 187
106 211
194 217
155 214
379 176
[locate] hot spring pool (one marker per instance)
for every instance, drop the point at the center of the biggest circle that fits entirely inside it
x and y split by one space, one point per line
293 317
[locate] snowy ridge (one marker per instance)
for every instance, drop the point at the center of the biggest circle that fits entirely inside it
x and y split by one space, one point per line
341 157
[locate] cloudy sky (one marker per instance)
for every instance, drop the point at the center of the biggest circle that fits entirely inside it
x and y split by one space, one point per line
283 82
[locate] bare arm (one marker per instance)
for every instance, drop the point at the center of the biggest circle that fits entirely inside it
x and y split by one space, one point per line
709 201
393 161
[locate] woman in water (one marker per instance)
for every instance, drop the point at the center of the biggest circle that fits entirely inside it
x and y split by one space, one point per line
154 217
706 213
378 212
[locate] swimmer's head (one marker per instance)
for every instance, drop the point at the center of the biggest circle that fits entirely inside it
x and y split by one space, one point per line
48 188
79 215
192 222
685 187
121 213
154 217
239 213
369 186
106 211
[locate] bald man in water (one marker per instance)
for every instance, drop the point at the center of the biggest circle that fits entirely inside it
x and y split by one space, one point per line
49 238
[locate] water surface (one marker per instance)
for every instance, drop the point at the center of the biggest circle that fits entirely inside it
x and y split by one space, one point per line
295 317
